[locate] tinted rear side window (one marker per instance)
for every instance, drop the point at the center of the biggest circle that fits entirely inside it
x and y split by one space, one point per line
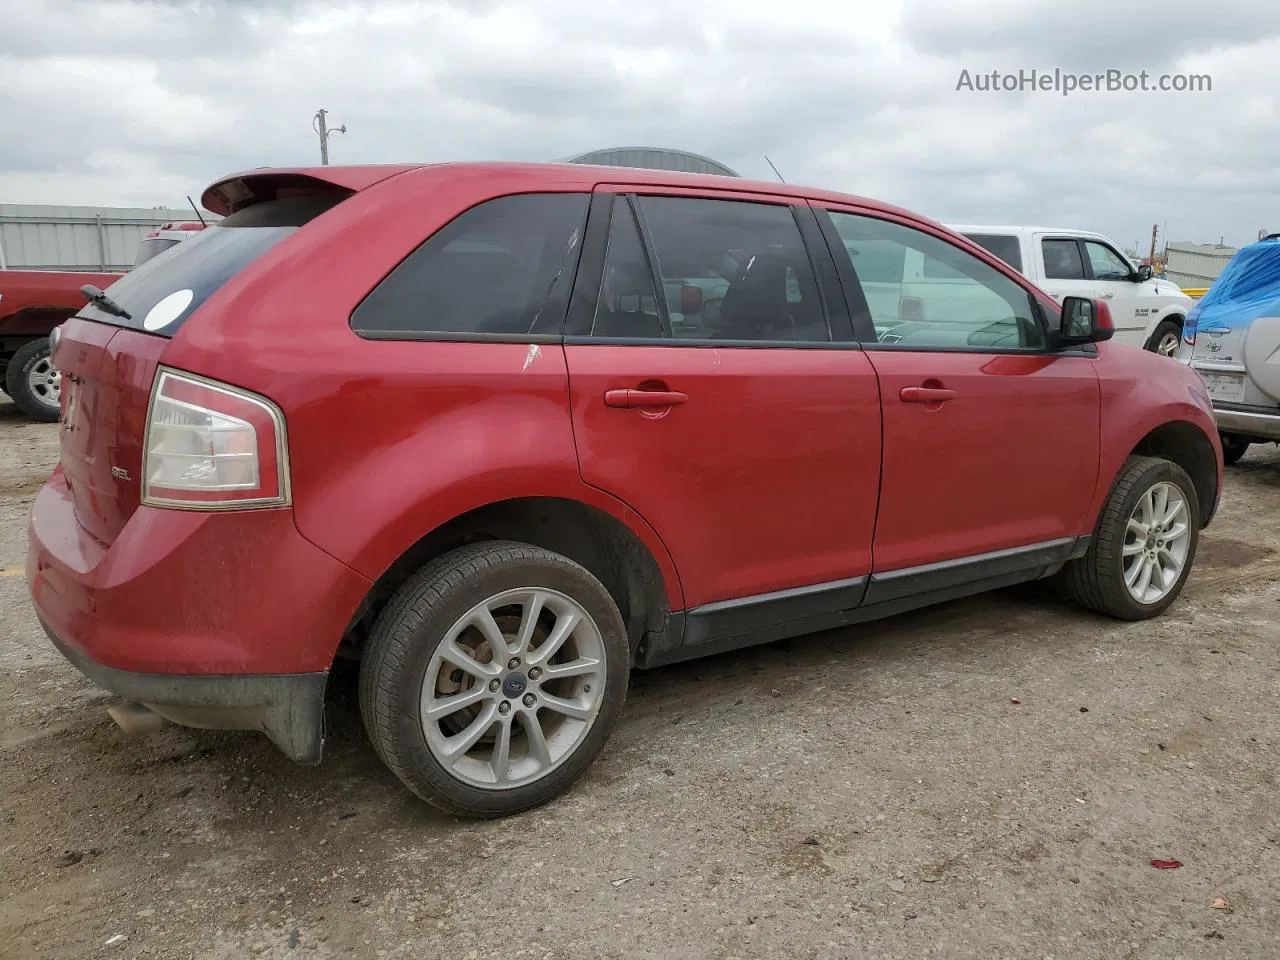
1001 245
1062 260
163 292
502 268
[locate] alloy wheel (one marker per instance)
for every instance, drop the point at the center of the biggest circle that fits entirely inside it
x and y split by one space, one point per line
513 688
1157 540
45 382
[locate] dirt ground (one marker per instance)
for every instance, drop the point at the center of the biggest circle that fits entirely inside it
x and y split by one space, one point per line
873 792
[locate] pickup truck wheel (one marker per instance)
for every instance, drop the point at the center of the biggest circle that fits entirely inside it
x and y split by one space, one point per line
493 678
33 381
1166 338
1144 544
1233 448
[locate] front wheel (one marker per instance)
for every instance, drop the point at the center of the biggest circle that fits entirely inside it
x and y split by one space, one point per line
1166 338
494 677
1144 544
1233 448
33 381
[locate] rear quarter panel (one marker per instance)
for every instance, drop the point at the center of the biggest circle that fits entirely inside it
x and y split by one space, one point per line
1141 391
388 440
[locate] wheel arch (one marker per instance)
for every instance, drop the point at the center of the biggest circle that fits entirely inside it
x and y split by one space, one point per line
640 582
1185 444
1175 311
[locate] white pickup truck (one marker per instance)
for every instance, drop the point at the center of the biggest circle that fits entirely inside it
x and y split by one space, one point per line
1147 312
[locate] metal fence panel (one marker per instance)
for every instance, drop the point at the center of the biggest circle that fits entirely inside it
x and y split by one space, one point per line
39 237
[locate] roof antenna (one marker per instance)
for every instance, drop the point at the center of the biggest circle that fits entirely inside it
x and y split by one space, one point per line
775 169
196 209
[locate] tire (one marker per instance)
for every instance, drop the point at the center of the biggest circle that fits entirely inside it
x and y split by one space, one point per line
1097 580
31 381
406 652
1233 448
1167 336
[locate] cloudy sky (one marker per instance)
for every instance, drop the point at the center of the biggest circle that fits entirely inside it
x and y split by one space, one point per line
116 102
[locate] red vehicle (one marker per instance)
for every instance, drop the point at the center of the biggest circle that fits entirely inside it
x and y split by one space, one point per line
482 426
32 303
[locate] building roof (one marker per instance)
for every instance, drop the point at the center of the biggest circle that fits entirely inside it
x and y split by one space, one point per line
652 158
1203 249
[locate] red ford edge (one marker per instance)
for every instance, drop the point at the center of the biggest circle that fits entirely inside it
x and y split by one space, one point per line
506 432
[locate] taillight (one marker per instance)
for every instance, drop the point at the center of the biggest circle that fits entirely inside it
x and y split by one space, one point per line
210 446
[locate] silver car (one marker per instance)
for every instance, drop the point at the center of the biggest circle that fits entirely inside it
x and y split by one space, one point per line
1232 339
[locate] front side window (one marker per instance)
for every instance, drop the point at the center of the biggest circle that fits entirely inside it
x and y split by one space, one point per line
1062 260
502 267
728 270
1106 263
959 302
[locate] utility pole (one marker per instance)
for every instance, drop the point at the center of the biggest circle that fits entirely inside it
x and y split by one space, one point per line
1155 229
320 127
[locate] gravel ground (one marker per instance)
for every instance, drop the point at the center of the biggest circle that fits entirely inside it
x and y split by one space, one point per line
988 779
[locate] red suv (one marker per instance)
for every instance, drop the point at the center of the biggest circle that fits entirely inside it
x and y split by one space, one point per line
508 431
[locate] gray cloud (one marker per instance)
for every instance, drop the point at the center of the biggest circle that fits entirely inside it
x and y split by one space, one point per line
150 101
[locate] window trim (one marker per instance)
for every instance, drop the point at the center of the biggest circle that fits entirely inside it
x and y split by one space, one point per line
586 293
568 283
861 312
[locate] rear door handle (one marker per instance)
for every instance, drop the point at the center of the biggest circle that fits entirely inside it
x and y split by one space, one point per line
926 394
632 398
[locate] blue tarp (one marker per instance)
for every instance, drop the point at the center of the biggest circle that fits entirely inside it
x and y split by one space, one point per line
1247 288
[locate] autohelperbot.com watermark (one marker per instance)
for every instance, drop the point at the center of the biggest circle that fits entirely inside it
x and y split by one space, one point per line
1067 83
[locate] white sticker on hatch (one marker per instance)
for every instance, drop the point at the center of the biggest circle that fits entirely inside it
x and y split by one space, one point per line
168 310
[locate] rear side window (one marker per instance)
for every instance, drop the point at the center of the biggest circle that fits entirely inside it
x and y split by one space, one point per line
501 268
163 292
1062 260
1001 245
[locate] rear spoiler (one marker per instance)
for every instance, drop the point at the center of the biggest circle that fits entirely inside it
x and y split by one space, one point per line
240 190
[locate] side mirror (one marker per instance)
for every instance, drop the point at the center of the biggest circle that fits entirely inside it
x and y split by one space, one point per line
1145 273
690 299
1084 321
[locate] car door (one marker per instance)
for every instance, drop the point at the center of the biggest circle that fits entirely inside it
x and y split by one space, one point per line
1115 282
738 426
990 439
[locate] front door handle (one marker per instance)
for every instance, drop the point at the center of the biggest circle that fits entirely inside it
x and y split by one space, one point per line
926 394
632 398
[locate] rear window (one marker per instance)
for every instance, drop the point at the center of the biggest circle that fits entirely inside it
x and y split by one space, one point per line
163 292
1000 245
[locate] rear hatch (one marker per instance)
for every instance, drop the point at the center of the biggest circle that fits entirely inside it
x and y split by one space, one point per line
108 356
1234 331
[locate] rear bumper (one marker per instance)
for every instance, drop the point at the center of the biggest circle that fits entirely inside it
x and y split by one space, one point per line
1256 423
213 619
288 708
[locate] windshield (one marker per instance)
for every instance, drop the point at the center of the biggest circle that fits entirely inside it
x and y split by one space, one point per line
161 293
150 247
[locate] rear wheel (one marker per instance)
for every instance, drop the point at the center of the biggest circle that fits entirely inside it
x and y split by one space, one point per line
494 677
1166 338
33 381
1233 448
1144 544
